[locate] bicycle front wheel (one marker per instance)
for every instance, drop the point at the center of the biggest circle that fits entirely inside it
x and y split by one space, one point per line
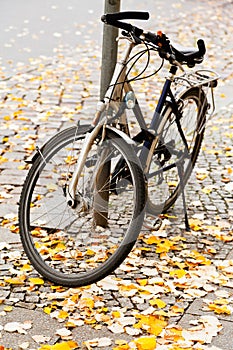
172 151
78 246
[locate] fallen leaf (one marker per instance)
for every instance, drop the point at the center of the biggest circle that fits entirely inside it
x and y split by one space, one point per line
70 345
36 281
146 343
63 332
40 338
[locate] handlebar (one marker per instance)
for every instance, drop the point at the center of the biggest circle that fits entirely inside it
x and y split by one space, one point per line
115 18
166 50
191 57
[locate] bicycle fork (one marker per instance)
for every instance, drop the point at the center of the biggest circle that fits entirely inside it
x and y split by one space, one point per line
89 139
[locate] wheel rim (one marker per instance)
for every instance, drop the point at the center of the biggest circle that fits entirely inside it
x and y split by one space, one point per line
63 240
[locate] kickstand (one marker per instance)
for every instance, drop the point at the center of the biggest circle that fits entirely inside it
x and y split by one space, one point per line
181 174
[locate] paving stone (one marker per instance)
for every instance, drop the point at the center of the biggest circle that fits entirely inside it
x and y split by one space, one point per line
7 236
18 296
196 308
40 326
25 305
32 299
4 294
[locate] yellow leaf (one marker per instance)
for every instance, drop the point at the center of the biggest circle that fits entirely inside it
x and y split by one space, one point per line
70 324
176 309
30 147
174 334
120 342
142 281
47 310
164 246
63 314
5 139
219 309
26 267
195 224
207 190
128 287
158 302
116 314
15 114
146 343
90 252
199 259
22 167
151 240
179 273
152 323
90 321
70 160
172 183
58 288
156 329
169 216
86 302
16 280
201 176
79 107
221 301
3 159
70 345
8 308
14 229
224 238
37 281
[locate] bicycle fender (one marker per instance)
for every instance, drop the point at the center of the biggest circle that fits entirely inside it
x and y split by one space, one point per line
121 134
34 157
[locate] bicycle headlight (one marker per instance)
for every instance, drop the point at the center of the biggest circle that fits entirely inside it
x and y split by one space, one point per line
130 100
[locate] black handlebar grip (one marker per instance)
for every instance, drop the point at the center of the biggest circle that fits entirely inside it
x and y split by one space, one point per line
201 47
118 16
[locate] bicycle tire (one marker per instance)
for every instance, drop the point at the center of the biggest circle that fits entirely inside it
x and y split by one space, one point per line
62 243
164 188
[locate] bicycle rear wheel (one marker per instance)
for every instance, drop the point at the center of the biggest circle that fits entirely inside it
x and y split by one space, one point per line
171 151
65 244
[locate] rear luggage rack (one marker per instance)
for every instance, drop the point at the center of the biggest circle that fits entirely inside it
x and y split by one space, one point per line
201 77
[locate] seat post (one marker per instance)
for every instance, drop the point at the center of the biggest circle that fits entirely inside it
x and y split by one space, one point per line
172 71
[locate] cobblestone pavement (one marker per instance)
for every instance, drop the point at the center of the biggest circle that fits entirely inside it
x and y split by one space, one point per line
51 94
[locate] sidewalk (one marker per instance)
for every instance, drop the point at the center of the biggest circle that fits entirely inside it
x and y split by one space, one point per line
177 289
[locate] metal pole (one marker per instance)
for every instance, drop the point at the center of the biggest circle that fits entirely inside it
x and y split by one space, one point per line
109 58
109 47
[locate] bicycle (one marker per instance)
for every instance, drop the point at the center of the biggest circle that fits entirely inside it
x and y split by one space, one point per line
84 199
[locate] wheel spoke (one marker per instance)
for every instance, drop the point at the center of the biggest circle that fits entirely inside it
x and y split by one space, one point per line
64 243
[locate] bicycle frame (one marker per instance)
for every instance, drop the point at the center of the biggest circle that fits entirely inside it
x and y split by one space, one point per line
113 102
114 96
